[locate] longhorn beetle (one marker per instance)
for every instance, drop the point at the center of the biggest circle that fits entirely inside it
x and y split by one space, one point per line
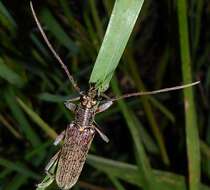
78 135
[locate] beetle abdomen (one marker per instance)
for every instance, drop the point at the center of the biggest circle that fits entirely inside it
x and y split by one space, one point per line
73 155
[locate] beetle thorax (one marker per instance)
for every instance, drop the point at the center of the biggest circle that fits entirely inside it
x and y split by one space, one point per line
88 102
85 111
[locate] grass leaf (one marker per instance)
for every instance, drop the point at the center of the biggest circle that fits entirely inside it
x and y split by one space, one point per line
18 167
141 158
122 21
24 125
192 136
9 75
130 173
37 119
55 28
16 182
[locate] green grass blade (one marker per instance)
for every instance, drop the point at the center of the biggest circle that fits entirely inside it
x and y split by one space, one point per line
4 173
9 75
16 182
55 28
116 183
66 10
6 19
10 127
198 25
39 45
192 136
23 123
18 167
207 137
37 151
96 18
141 158
6 13
52 97
162 67
205 149
147 139
162 109
130 173
147 106
37 119
123 18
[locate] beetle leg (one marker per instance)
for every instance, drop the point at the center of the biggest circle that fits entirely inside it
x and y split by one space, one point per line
104 106
70 106
52 161
102 135
59 138
73 99
50 174
46 182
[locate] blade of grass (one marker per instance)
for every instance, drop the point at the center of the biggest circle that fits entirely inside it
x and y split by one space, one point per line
130 173
52 97
46 128
10 127
162 67
147 106
141 158
116 183
148 141
91 32
123 18
108 6
207 137
16 182
7 20
37 119
18 167
6 13
67 11
38 150
5 172
9 96
39 45
192 136
162 108
78 28
55 28
9 75
96 19
197 30
205 149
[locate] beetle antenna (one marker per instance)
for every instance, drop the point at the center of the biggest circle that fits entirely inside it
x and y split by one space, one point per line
154 92
53 50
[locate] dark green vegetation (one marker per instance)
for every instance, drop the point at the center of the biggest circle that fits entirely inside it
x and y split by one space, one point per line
156 143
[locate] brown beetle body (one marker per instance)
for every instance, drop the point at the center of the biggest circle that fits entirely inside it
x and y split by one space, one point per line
73 155
77 140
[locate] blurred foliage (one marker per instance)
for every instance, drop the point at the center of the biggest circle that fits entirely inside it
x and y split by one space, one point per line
148 137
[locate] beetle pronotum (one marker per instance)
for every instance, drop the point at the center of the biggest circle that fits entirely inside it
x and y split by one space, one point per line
78 135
